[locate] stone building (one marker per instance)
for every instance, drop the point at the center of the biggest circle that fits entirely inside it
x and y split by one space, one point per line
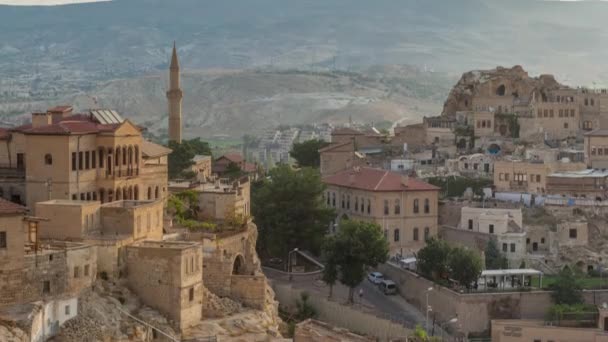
339 157
220 199
368 139
490 220
596 149
109 227
589 183
91 156
201 167
404 207
221 164
528 176
474 165
168 276
48 273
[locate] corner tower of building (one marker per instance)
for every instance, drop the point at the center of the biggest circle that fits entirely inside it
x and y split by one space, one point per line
174 97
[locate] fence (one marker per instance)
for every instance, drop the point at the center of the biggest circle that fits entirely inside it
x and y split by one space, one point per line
344 316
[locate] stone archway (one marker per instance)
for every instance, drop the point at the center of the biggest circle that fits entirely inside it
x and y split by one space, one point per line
500 91
238 265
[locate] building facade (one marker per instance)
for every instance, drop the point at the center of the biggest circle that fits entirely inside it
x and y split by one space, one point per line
405 208
91 156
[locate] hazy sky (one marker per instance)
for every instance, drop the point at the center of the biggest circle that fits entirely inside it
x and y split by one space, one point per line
43 2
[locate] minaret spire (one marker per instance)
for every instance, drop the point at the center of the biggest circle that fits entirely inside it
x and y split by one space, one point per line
174 98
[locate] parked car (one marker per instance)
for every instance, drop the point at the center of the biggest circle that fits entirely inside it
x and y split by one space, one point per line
375 277
388 287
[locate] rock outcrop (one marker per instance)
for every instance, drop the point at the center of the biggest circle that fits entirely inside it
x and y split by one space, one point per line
508 82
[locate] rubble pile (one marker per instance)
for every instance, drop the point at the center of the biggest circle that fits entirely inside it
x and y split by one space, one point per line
217 307
102 317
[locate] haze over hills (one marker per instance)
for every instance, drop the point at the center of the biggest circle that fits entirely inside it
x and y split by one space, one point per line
49 54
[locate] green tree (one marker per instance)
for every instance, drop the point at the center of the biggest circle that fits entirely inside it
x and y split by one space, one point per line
233 171
357 246
304 309
465 266
330 272
432 259
307 153
181 157
566 289
495 260
289 211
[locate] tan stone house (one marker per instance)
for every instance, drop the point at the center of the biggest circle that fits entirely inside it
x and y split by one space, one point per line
404 207
90 156
339 157
528 176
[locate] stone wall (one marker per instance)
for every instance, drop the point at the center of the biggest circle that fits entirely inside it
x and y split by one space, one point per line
343 316
249 290
476 310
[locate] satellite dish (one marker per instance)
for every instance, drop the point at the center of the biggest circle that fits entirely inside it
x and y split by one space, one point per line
605 306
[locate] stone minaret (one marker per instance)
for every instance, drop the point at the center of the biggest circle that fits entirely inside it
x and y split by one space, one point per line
174 97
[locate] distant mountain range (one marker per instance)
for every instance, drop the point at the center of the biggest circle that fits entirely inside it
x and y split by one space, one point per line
51 53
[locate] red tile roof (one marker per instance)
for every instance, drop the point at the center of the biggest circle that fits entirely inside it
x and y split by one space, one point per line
7 207
67 127
233 157
377 180
4 133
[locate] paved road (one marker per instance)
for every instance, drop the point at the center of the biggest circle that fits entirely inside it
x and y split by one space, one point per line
393 307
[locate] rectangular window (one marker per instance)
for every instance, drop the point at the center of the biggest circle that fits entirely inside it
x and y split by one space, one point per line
396 235
512 248
100 158
76 271
385 207
86 270
46 287
67 309
397 207
593 151
191 294
491 229
500 176
506 176
572 112
573 233
87 157
470 224
2 239
504 247
538 178
93 159
80 161
74 161
606 151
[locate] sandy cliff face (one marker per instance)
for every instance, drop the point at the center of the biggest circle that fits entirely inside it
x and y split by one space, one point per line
483 84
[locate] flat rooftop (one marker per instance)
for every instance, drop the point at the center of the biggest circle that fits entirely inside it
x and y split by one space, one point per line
76 203
176 245
510 272
203 187
126 204
588 173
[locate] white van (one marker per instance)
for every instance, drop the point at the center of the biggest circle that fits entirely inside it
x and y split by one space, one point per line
388 287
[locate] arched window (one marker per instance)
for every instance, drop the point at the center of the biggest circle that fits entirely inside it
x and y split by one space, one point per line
369 207
416 206
348 202
427 206
136 193
333 199
156 193
118 194
396 234
101 195
343 201
48 159
416 234
101 156
397 207
149 192
125 193
124 155
117 157
427 233
356 203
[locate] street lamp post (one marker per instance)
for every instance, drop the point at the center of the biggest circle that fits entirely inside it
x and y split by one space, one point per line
289 262
428 308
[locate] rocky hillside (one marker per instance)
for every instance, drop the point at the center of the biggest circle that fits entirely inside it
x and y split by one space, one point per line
238 102
486 83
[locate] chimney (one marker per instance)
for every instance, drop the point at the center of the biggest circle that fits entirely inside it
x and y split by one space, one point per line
41 119
404 179
60 112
